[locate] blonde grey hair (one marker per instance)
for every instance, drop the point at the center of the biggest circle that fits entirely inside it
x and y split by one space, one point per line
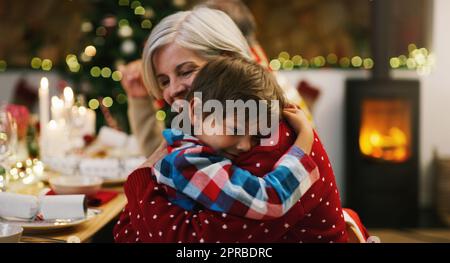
208 32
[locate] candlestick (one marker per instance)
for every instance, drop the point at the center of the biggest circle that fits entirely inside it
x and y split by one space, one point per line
43 112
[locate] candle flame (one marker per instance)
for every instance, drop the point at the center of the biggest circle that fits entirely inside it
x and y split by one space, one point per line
44 83
68 93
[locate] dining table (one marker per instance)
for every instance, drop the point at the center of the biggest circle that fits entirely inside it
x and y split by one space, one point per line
79 233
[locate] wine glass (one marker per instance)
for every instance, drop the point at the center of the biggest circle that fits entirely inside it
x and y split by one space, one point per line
8 143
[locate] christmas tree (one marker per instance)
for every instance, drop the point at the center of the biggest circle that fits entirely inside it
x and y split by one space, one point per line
114 33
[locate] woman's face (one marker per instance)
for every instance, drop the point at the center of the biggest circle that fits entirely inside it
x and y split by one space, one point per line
175 70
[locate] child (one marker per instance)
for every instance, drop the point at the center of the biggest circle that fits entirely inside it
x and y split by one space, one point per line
316 217
201 166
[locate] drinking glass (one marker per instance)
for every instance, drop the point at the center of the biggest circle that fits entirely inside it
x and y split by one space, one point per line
8 144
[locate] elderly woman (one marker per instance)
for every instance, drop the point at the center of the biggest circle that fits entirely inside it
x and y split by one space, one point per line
176 50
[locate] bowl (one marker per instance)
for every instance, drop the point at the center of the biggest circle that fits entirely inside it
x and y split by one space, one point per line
10 233
67 185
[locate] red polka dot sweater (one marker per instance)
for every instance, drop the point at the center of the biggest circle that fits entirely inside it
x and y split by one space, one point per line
317 216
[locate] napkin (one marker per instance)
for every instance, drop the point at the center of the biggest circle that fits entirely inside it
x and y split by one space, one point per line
106 168
111 137
17 205
100 198
62 164
130 164
63 206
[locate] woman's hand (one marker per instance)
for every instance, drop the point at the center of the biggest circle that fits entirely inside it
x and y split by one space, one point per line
157 155
301 125
132 81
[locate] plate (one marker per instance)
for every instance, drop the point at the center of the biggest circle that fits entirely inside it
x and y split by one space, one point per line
41 225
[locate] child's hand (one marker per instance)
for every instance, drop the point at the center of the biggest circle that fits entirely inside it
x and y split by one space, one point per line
157 155
301 125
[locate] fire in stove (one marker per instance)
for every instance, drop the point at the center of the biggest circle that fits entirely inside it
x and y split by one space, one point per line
385 130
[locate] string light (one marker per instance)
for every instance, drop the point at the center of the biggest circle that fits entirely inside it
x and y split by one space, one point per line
27 171
47 64
124 2
123 22
288 65
287 62
139 11
160 115
86 27
368 63
332 58
146 24
95 72
344 62
36 63
122 98
93 104
395 62
297 59
90 51
107 102
106 72
275 64
135 4
419 59
3 65
357 61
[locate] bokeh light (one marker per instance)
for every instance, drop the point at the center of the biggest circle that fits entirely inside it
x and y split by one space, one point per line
95 71
344 62
368 63
47 64
139 11
116 75
357 61
122 98
3 65
106 72
90 51
275 64
107 102
332 59
160 115
94 104
146 24
36 62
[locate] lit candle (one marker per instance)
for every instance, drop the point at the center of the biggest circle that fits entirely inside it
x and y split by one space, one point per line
44 113
88 117
68 97
58 142
57 108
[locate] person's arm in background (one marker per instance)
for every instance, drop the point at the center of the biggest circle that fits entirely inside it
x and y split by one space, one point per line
141 111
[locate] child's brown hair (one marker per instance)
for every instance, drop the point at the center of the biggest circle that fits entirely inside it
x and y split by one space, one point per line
234 79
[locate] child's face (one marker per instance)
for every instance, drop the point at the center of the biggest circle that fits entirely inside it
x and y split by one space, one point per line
230 146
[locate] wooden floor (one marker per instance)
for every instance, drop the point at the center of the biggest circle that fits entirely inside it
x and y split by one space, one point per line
434 229
416 235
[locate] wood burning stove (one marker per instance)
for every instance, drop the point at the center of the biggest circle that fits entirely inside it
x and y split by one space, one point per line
382 138
382 150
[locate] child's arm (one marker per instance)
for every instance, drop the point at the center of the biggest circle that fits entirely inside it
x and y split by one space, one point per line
218 185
